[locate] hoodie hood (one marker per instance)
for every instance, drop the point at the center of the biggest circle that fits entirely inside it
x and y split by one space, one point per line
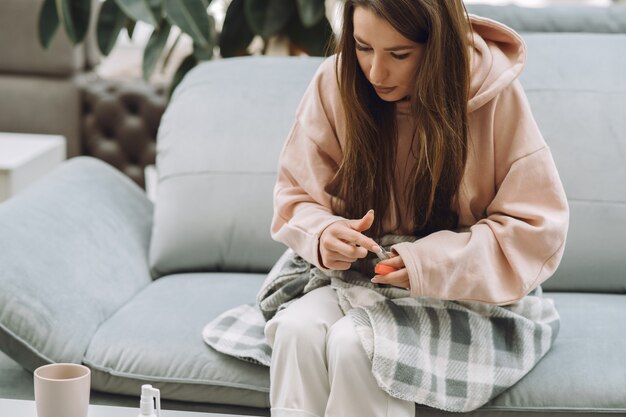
496 60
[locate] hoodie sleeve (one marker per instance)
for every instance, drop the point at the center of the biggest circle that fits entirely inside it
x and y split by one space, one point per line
308 162
520 241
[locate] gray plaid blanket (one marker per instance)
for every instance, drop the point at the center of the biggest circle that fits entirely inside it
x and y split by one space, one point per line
454 356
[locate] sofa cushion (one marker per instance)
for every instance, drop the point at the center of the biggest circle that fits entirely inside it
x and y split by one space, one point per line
217 155
576 87
157 338
73 249
582 375
585 368
557 18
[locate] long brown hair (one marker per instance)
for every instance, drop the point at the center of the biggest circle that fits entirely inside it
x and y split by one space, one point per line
365 176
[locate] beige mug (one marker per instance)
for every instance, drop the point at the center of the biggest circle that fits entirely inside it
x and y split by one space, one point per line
62 390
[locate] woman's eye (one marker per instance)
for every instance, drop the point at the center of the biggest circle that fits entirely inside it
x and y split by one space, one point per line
400 56
362 48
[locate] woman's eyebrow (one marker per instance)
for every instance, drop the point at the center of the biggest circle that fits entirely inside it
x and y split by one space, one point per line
393 48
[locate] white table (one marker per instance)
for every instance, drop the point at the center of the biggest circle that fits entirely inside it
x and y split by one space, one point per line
22 408
24 158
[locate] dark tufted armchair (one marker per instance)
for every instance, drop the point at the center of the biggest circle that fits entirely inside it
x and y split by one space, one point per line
120 122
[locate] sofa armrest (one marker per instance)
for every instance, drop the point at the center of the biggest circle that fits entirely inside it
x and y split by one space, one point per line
73 249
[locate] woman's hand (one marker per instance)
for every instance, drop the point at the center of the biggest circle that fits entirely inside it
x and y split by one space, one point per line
342 243
399 278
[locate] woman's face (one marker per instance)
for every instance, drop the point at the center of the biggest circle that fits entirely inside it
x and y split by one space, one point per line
388 59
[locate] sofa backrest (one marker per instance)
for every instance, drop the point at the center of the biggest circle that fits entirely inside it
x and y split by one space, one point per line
221 136
217 153
558 18
576 85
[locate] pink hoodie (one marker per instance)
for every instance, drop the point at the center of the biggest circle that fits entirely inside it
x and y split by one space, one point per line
513 214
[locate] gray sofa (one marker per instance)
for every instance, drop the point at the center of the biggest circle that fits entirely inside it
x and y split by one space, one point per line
94 272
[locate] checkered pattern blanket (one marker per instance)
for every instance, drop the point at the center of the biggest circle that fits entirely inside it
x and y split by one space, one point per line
454 356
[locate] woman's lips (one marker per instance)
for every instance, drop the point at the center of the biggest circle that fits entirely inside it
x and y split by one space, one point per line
384 90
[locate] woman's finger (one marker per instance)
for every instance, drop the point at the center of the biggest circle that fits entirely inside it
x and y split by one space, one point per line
398 278
336 256
357 238
338 265
346 249
395 262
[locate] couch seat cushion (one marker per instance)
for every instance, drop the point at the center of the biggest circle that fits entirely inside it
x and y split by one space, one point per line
157 338
583 373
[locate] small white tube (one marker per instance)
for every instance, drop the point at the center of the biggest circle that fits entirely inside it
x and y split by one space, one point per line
382 254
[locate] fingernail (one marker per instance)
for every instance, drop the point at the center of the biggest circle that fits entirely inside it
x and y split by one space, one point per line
375 280
371 211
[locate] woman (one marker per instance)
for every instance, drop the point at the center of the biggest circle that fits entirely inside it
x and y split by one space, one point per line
418 126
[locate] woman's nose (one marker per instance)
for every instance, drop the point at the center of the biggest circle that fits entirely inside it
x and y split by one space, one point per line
378 72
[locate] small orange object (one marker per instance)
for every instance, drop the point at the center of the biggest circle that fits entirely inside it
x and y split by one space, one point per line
381 269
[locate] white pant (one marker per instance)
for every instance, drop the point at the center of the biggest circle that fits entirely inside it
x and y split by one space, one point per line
319 368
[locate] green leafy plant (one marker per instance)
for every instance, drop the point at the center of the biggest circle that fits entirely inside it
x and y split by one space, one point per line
302 22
